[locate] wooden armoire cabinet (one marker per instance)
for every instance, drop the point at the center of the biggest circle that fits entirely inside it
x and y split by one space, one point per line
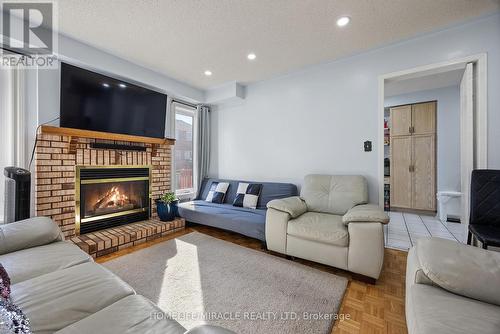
413 156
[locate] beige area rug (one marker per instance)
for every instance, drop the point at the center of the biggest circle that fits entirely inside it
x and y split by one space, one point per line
199 279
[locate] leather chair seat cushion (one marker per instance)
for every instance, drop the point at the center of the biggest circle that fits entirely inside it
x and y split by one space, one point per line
461 269
32 262
132 314
58 299
486 233
433 310
320 227
334 194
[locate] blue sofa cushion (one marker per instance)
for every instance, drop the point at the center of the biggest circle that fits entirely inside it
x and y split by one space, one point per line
249 222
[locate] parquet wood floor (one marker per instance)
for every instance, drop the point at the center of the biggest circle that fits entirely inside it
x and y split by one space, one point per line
378 308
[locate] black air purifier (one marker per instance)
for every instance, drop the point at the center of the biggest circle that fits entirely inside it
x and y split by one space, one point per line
17 194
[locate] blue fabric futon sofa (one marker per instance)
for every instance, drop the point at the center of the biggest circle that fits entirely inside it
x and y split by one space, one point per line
249 222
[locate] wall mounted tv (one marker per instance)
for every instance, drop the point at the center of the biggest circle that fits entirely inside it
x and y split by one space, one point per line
93 101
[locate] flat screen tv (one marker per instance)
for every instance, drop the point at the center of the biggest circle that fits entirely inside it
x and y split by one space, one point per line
93 101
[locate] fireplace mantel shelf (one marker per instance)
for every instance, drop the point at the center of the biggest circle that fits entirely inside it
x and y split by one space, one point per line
74 134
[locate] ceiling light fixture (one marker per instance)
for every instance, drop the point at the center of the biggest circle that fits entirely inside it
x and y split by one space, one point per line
251 56
343 21
208 73
105 85
122 85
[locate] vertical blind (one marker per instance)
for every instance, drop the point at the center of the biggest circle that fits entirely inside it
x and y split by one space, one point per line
12 125
7 127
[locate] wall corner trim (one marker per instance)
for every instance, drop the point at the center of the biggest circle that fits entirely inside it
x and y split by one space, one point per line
227 93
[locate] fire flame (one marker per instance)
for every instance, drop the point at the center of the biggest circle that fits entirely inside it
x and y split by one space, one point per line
117 198
112 198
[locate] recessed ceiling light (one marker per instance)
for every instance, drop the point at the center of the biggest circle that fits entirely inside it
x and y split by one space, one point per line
208 73
122 85
343 21
251 56
105 85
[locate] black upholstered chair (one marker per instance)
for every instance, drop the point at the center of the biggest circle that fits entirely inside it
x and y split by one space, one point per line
484 221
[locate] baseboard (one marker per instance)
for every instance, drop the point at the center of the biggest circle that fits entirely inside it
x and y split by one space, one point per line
415 211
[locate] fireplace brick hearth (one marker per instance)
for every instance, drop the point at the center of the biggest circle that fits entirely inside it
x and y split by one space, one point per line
56 161
113 239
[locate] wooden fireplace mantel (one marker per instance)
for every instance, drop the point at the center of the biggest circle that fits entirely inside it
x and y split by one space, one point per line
74 134
78 133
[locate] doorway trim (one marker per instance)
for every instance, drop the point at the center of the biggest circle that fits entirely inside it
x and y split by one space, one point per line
481 107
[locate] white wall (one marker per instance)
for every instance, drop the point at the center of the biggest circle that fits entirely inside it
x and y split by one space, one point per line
448 135
316 120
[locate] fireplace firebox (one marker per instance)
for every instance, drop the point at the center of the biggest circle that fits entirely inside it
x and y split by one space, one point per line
108 196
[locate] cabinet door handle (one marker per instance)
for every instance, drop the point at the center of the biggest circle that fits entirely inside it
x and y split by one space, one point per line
411 129
411 168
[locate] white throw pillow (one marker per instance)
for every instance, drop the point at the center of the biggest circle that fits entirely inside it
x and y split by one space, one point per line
247 195
217 192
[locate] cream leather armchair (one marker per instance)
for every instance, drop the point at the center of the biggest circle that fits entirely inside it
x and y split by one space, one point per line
330 223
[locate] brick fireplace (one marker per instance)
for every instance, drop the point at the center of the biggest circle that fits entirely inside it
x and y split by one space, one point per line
58 160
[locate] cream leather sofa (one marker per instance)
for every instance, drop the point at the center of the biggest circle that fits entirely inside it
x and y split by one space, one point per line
330 223
452 288
62 290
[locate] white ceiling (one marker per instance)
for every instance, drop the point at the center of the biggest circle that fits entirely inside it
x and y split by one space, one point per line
434 81
183 38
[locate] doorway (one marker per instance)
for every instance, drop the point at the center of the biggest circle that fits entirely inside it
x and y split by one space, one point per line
459 139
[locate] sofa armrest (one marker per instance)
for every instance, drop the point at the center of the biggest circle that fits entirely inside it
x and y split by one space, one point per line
209 329
294 206
461 269
370 213
366 249
276 230
28 233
